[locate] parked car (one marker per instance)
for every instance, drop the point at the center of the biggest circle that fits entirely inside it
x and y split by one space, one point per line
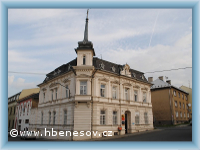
28 135
190 122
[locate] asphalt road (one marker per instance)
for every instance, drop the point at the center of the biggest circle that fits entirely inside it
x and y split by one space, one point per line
164 134
160 134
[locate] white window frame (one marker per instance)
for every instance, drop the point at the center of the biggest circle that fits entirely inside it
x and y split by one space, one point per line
188 115
135 95
83 85
144 97
137 118
114 117
102 117
114 92
186 98
174 93
126 93
146 120
175 103
103 90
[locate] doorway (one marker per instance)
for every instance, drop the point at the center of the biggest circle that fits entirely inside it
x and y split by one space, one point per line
127 122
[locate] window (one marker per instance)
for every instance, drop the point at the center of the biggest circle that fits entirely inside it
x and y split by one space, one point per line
102 90
179 94
114 117
83 87
42 118
52 95
114 92
176 114
126 93
146 118
54 117
180 105
184 114
102 117
188 115
27 121
65 117
67 92
137 117
43 97
49 117
56 93
174 93
175 103
181 114
135 95
24 108
84 60
187 106
185 97
182 96
20 121
144 97
183 106
27 109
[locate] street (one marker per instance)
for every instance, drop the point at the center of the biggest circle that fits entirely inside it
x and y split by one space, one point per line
165 134
160 134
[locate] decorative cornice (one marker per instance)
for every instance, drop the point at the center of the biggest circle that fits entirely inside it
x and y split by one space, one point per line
136 86
83 76
145 89
114 82
103 79
126 84
66 80
52 85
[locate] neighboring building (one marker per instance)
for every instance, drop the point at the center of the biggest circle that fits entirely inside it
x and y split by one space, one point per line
28 99
12 102
170 104
188 90
99 96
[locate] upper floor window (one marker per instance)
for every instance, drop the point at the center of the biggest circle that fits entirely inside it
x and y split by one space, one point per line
144 97
179 94
175 103
65 117
56 93
126 93
174 93
114 92
146 118
180 104
27 109
185 97
183 106
135 96
43 97
114 117
102 90
188 115
83 87
52 95
182 96
184 114
102 117
67 91
84 60
181 114
137 117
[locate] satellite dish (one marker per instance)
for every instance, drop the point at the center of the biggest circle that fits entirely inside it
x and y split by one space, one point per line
189 104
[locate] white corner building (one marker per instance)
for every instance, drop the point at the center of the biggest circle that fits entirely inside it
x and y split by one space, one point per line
91 95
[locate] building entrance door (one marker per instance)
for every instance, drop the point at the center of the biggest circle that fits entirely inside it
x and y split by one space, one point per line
127 122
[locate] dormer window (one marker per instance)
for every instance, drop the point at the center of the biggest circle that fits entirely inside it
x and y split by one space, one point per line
101 66
134 75
142 77
84 60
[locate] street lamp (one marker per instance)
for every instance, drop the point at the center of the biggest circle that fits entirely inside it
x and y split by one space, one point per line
65 87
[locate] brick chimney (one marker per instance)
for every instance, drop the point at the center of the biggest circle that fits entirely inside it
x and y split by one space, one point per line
161 78
169 82
150 79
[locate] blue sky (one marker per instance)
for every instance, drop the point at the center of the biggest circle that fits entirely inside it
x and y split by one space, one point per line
40 40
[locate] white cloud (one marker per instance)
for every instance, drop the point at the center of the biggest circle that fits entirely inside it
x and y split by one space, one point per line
10 79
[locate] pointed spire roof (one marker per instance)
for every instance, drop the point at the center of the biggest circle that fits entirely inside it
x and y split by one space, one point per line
85 44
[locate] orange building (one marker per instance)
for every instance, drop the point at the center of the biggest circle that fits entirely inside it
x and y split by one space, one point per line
169 103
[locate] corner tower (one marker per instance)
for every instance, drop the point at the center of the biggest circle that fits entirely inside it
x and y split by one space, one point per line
85 50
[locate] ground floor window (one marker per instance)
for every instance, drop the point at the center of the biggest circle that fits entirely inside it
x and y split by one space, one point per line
102 117
114 117
146 118
137 117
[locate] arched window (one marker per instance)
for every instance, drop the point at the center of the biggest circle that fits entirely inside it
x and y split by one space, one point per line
84 60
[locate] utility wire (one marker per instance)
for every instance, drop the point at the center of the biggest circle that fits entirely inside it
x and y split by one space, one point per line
52 74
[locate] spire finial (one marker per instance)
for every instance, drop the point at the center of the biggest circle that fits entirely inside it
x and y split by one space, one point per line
86 29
